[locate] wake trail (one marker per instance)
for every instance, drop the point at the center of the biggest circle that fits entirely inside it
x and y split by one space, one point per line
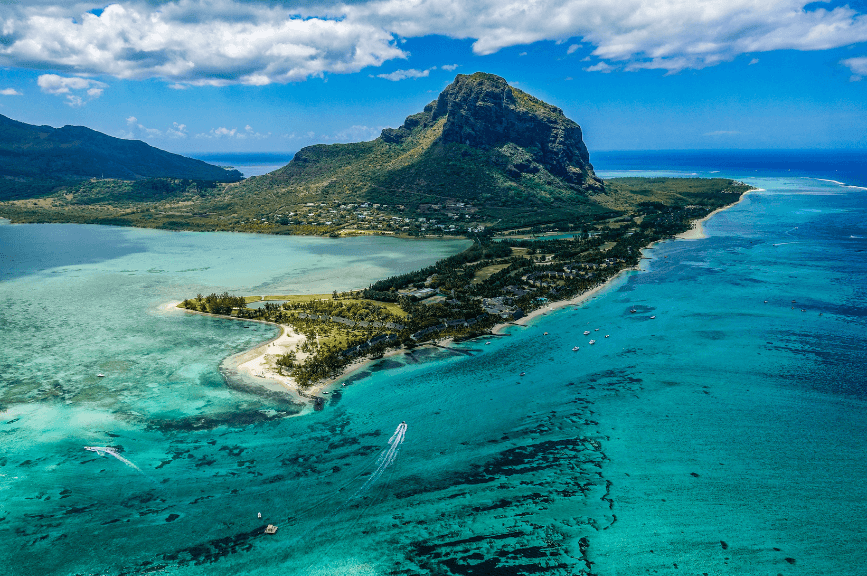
103 450
386 458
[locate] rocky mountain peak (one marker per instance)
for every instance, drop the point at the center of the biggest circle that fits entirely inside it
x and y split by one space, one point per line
483 111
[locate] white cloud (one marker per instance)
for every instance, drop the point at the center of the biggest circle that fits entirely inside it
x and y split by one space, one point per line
9 92
664 34
356 134
256 42
73 88
753 61
449 67
223 132
723 133
138 131
858 66
600 67
177 130
404 74
195 42
573 48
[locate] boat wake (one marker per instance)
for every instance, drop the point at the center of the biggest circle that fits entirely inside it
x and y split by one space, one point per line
103 450
385 459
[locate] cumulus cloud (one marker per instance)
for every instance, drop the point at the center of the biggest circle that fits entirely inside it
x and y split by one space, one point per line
137 131
10 92
404 74
210 42
233 133
449 67
753 61
600 67
257 42
573 48
858 66
356 134
73 88
664 34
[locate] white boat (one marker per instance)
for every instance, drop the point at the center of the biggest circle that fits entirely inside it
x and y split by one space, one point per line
592 342
606 335
587 332
596 329
652 317
575 349
100 375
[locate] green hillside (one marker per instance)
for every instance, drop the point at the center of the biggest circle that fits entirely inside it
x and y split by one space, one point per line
35 160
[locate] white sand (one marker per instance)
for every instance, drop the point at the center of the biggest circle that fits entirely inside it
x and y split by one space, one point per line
697 230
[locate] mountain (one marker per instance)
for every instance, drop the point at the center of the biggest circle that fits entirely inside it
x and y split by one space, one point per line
75 152
511 156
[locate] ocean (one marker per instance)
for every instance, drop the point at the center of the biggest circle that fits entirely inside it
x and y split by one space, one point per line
726 435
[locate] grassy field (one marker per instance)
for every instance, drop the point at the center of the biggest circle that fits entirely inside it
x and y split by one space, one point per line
483 274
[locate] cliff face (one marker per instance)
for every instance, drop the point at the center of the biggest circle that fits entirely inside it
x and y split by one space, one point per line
482 110
513 158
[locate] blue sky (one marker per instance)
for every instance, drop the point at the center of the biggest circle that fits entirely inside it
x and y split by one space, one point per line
235 76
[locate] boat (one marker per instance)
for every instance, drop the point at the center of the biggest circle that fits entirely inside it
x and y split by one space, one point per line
487 343
633 311
587 332
596 329
522 373
592 342
606 335
652 317
271 529
575 349
545 334
100 375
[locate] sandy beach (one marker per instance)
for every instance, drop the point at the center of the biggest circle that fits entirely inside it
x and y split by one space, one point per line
577 300
696 232
259 365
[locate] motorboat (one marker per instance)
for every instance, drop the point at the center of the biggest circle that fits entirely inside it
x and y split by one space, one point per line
100 375
587 332
592 342
652 317
575 349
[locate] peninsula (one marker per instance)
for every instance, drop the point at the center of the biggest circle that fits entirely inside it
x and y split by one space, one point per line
486 161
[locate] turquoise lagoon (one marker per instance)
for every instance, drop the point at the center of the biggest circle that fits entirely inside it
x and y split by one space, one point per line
727 435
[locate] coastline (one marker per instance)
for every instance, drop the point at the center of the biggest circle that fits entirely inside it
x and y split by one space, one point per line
257 365
574 301
696 232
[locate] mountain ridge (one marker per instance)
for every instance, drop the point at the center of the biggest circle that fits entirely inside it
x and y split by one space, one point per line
28 151
481 141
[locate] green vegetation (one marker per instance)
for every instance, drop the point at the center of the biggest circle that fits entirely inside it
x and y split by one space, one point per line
496 280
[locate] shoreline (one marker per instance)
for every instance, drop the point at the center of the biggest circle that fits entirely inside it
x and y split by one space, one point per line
696 232
559 304
255 367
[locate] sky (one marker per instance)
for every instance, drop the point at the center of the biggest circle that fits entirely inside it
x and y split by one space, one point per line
198 76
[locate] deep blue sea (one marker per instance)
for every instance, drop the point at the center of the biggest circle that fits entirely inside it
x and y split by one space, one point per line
725 436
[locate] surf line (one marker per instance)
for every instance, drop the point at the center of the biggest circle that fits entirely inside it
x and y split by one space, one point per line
103 450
